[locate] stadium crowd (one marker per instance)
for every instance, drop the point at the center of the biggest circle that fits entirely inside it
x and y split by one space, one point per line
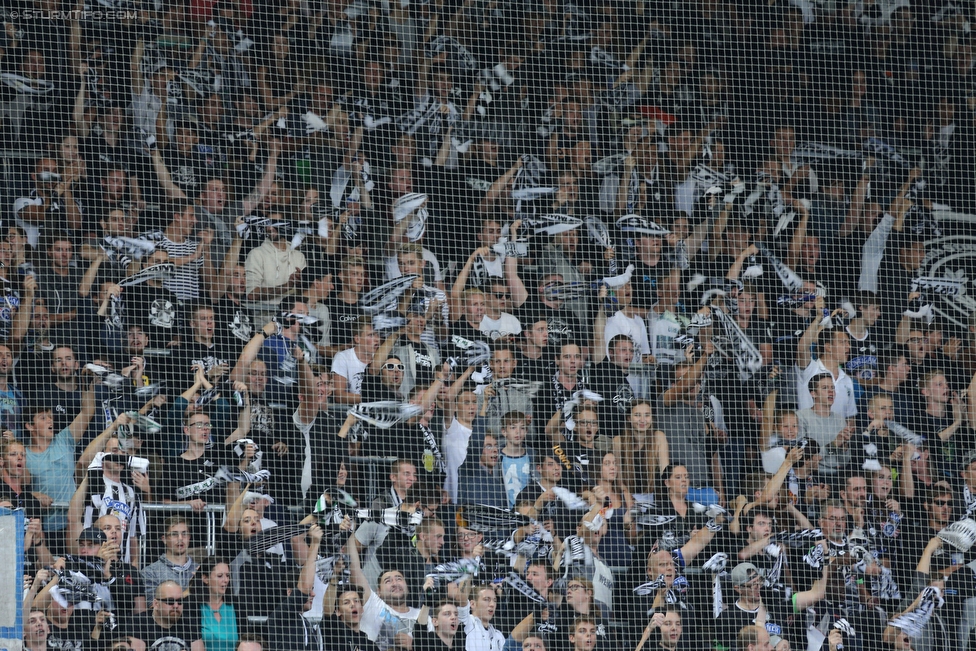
483 325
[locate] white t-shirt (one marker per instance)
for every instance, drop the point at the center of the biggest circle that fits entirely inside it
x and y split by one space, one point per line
506 324
844 403
346 364
479 638
381 623
455 449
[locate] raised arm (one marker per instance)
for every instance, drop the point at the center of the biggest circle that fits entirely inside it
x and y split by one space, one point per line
818 591
803 356
135 68
308 406
260 191
78 112
234 508
796 244
771 489
172 190
250 352
355 569
306 580
769 416
80 423
22 318
383 352
512 279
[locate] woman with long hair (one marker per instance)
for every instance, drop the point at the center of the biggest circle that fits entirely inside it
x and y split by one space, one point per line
641 451
210 594
617 501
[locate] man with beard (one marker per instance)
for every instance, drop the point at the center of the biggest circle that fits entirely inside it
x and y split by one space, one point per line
174 564
63 395
387 620
167 625
609 379
413 560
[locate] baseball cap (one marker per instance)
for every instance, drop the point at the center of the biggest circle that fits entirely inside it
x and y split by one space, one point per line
743 573
92 534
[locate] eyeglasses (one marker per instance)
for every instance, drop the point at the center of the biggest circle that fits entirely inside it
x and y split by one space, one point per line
575 586
171 601
467 536
178 534
200 424
390 366
590 423
916 340
491 447
833 518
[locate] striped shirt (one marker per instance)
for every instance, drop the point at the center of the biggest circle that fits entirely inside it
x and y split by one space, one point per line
185 282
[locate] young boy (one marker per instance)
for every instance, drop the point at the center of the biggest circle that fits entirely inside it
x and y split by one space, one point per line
516 459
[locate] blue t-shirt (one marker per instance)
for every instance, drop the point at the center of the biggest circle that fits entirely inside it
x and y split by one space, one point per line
516 473
53 473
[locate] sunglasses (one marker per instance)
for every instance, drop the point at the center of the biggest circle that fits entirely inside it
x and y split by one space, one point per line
171 601
505 295
390 366
942 502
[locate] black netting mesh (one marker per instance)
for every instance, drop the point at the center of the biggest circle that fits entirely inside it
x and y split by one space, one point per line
483 324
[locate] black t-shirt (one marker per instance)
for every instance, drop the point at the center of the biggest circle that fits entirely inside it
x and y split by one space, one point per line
534 370
287 630
156 310
77 634
191 352
339 637
23 500
645 282
610 381
344 317
733 618
234 328
258 580
398 553
126 585
424 640
183 481
178 637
